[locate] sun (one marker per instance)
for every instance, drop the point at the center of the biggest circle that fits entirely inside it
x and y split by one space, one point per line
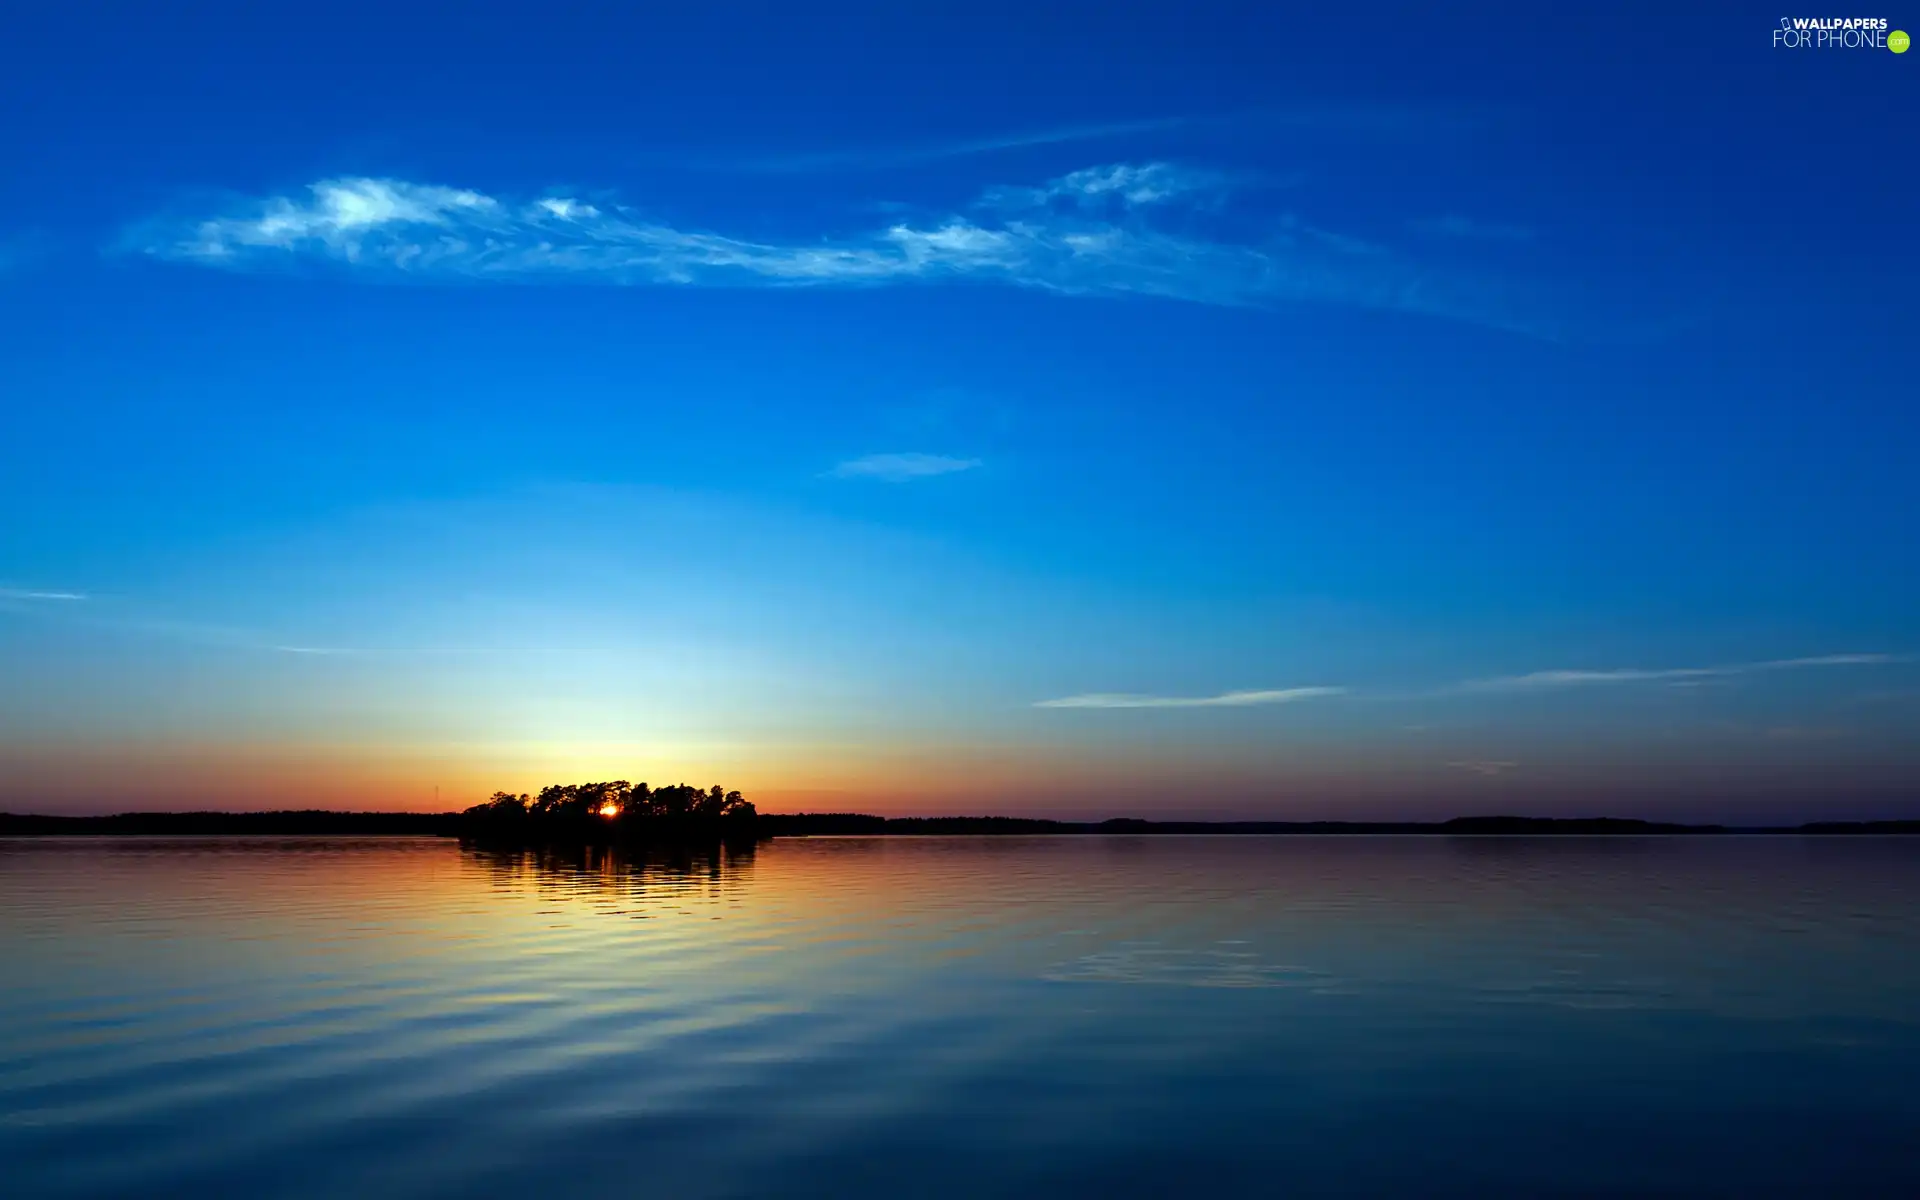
609 809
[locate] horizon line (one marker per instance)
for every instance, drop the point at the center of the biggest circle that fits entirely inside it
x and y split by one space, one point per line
1230 824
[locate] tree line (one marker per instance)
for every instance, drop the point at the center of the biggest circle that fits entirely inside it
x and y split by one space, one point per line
614 808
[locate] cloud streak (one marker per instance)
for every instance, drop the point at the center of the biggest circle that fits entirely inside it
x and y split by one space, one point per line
30 594
1142 229
908 156
1536 681
901 468
1223 700
1551 680
1488 767
1116 185
1345 123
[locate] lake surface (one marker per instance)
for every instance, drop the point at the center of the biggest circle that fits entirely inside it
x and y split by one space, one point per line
1346 1016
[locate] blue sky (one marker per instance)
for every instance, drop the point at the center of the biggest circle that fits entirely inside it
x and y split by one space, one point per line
1156 409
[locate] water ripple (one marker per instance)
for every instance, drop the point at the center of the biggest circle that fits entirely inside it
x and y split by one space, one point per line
853 1017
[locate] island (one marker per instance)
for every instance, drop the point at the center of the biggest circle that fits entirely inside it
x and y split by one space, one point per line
612 811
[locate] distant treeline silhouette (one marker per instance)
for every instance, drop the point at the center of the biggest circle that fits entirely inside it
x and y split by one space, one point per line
578 814
851 824
610 811
301 822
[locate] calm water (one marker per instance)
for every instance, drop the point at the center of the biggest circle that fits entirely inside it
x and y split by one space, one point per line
960 1017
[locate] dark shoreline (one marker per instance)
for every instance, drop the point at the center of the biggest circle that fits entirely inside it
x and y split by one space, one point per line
341 824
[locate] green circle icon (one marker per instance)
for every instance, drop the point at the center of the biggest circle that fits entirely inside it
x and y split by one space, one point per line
1898 41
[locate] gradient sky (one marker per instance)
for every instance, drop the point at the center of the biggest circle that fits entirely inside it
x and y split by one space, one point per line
1064 409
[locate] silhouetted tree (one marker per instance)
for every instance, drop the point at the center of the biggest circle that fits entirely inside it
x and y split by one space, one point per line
502 806
612 810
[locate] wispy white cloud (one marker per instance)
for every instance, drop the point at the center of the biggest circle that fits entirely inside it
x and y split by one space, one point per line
1115 229
1547 680
1346 123
899 156
27 594
1465 227
901 468
429 231
1123 185
1483 766
1535 681
1223 700
1539 680
1831 660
